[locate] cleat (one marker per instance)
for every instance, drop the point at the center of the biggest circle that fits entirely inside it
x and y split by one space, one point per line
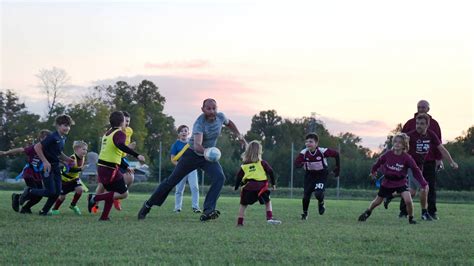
117 205
16 202
363 217
426 217
55 212
25 210
24 196
402 215
210 216
48 213
274 222
304 216
75 209
90 202
386 202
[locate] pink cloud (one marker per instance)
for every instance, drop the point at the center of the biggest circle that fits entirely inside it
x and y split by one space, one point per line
189 64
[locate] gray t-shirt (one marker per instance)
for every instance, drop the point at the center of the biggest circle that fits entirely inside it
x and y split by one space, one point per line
210 130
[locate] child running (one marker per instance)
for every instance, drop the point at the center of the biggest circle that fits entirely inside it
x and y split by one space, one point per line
313 160
31 174
394 164
125 169
71 179
50 151
253 176
110 157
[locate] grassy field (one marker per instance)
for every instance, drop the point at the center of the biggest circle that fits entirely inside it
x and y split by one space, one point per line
169 238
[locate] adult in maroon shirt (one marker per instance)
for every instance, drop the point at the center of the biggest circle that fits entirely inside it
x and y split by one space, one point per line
432 160
394 164
422 142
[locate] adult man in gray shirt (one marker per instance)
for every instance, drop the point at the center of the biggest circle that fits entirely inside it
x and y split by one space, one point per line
206 130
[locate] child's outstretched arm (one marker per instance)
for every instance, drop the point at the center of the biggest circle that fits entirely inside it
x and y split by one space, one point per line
14 151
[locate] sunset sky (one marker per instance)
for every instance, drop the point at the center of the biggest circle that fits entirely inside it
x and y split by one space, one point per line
360 65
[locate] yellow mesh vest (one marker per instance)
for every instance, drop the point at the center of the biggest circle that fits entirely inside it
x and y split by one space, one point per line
108 151
74 172
254 171
128 139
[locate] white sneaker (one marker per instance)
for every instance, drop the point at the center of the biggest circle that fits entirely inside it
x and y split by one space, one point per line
271 221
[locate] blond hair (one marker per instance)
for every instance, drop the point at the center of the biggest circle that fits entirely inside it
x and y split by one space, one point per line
405 140
79 144
253 152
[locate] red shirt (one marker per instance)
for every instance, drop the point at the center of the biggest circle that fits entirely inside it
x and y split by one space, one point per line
397 166
421 145
410 125
316 158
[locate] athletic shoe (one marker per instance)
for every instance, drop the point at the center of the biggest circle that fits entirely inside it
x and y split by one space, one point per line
411 221
117 205
16 202
90 202
48 213
272 221
402 215
197 210
363 217
387 201
321 208
426 217
75 209
24 196
177 211
25 210
95 209
143 211
210 216
55 212
304 216
434 216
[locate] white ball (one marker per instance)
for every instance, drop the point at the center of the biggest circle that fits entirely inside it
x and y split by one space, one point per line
212 154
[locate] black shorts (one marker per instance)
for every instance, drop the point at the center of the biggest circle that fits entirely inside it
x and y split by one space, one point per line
255 191
315 181
385 192
68 187
118 185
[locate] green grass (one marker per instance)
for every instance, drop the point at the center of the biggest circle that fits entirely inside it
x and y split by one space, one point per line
169 238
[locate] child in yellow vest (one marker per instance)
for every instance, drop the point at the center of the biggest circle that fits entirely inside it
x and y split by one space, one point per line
253 176
71 180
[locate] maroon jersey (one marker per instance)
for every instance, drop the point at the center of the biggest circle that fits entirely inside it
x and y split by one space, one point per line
395 168
34 163
410 125
421 145
316 160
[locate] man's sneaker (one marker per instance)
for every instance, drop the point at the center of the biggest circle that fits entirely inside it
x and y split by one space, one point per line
55 212
90 202
363 217
197 210
95 209
304 216
402 215
117 205
24 196
272 221
25 210
143 211
210 216
434 216
386 202
16 202
75 209
321 208
48 213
